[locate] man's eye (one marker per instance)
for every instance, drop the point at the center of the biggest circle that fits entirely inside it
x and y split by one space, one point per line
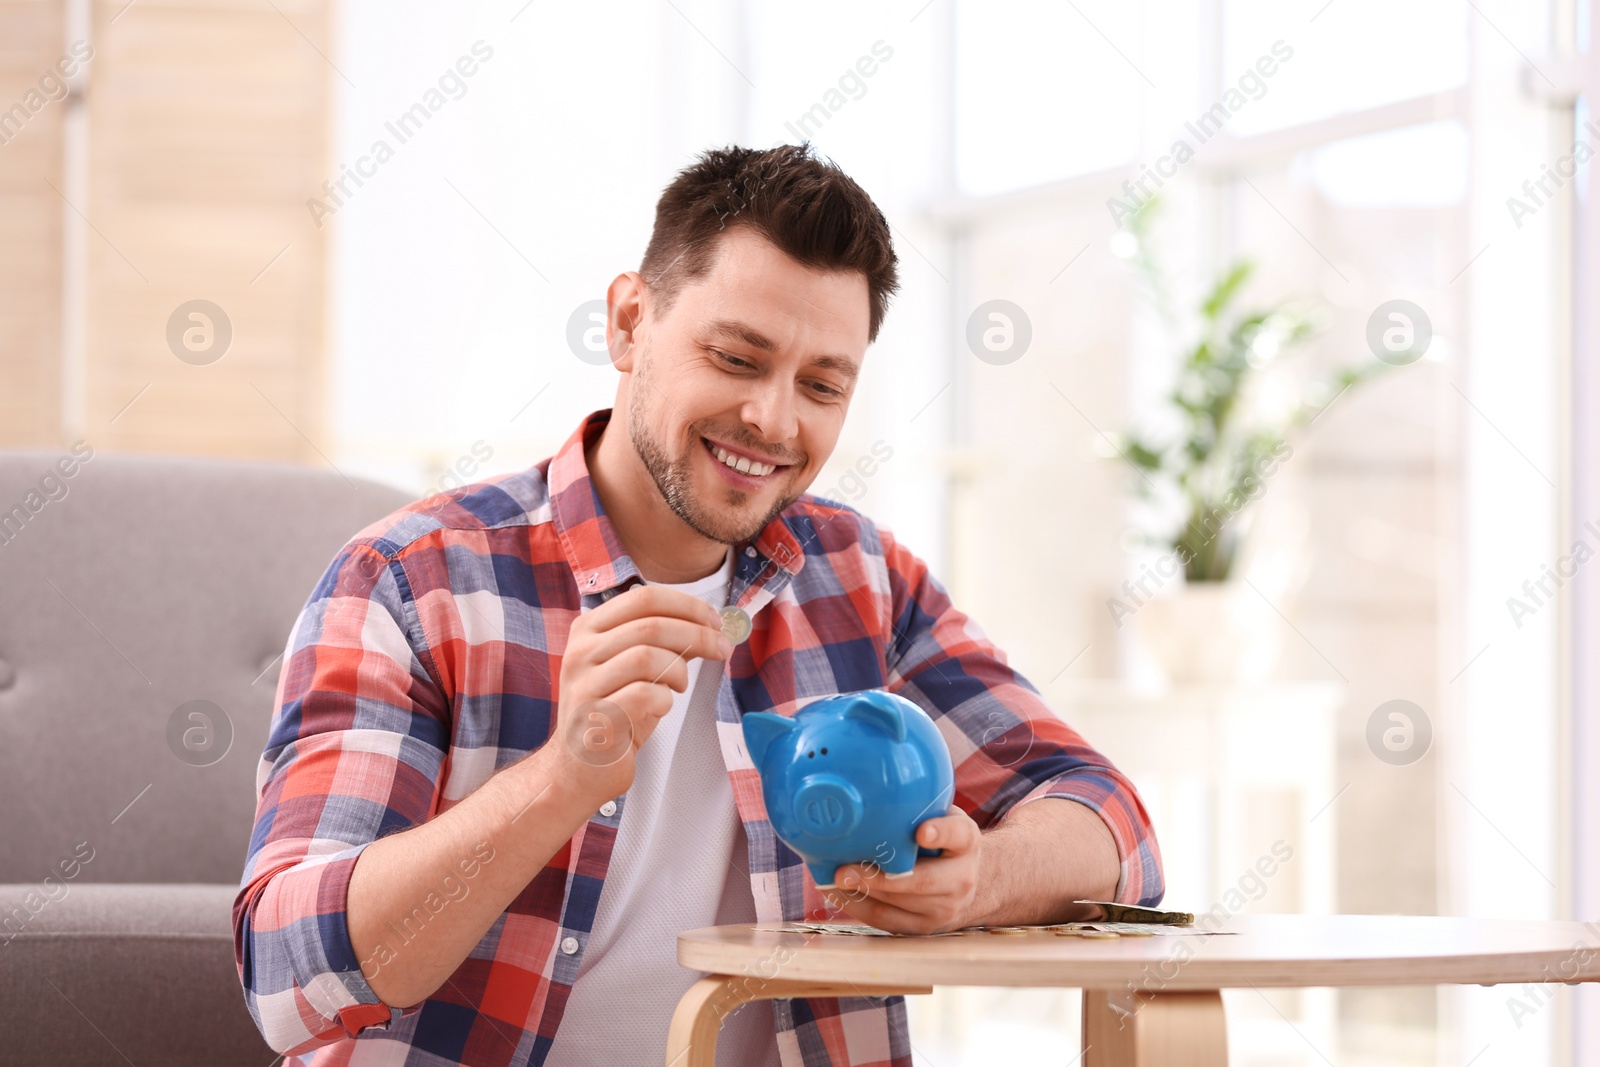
826 391
733 361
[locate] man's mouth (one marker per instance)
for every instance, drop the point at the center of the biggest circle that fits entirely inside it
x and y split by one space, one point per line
740 463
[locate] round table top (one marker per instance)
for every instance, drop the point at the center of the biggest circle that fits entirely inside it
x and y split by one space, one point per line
1262 950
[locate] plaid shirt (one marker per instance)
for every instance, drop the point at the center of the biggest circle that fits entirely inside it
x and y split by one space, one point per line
425 660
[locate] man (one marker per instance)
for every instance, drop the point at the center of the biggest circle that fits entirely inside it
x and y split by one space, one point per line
506 767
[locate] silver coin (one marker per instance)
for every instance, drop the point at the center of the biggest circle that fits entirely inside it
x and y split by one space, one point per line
735 624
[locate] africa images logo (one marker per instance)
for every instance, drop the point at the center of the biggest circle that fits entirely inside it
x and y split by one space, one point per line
1252 85
404 127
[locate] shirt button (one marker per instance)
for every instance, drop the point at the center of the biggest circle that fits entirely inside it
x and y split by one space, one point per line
609 808
750 551
569 945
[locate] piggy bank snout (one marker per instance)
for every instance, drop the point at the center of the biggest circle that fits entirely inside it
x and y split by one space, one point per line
827 806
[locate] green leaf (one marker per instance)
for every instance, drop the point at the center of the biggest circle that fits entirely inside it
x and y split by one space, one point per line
1142 456
1226 289
1212 453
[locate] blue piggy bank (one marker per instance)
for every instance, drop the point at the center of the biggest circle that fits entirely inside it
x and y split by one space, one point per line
849 779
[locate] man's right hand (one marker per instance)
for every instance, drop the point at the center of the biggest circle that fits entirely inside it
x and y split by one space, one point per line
624 661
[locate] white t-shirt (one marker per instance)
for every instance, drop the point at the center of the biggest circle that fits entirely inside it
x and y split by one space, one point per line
680 861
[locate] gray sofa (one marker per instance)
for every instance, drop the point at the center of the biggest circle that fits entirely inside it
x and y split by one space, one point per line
144 605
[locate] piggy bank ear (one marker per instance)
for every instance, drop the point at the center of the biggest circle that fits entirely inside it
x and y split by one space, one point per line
884 714
761 728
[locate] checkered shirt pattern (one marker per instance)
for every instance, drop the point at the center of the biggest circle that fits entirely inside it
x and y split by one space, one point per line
426 659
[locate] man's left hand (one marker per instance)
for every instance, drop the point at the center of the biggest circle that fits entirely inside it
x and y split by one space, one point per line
938 895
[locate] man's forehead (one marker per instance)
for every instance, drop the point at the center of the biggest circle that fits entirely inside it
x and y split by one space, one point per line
834 299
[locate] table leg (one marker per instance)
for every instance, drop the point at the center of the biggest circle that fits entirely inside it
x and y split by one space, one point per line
1185 1029
692 1038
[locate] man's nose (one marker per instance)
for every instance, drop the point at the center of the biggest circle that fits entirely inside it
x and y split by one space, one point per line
771 410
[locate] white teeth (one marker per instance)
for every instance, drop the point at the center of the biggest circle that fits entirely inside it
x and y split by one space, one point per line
742 464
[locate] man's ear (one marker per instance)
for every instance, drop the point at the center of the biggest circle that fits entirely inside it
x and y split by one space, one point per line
625 300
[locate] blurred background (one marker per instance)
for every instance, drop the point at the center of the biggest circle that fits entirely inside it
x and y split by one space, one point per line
1240 384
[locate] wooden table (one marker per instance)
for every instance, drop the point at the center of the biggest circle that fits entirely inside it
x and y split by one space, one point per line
1147 1000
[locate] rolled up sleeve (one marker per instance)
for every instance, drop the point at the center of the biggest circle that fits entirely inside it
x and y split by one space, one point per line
1009 747
356 750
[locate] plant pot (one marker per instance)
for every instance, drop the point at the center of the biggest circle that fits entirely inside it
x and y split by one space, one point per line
1210 632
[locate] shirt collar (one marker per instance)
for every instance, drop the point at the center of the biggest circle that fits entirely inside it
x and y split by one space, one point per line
593 550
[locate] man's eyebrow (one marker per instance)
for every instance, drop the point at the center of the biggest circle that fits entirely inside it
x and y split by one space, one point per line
756 339
838 364
732 328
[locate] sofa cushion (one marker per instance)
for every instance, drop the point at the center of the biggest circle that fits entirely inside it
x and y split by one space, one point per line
113 974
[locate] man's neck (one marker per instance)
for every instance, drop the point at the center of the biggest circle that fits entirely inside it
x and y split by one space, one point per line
663 547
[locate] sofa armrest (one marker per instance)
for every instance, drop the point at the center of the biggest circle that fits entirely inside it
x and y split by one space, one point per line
112 974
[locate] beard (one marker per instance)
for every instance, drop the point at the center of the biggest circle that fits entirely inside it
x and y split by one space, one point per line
674 478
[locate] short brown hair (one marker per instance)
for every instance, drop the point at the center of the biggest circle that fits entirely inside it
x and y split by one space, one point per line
809 208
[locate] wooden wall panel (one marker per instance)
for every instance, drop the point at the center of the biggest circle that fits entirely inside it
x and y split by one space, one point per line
209 129
32 38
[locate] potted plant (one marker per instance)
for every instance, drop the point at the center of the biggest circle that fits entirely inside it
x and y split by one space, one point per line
1206 460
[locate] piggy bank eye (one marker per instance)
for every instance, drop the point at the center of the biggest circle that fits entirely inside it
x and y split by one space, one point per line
824 751
811 755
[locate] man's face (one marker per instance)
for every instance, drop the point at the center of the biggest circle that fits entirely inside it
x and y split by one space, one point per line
739 390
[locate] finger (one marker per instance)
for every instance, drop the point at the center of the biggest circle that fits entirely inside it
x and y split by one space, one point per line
641 663
886 916
930 877
955 833
643 700
644 704
645 600
600 732
661 631
867 876
850 882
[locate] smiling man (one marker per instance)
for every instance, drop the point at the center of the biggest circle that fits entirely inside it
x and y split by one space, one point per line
506 768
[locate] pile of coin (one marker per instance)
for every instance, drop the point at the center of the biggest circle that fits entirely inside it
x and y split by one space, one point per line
1088 930
1093 935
